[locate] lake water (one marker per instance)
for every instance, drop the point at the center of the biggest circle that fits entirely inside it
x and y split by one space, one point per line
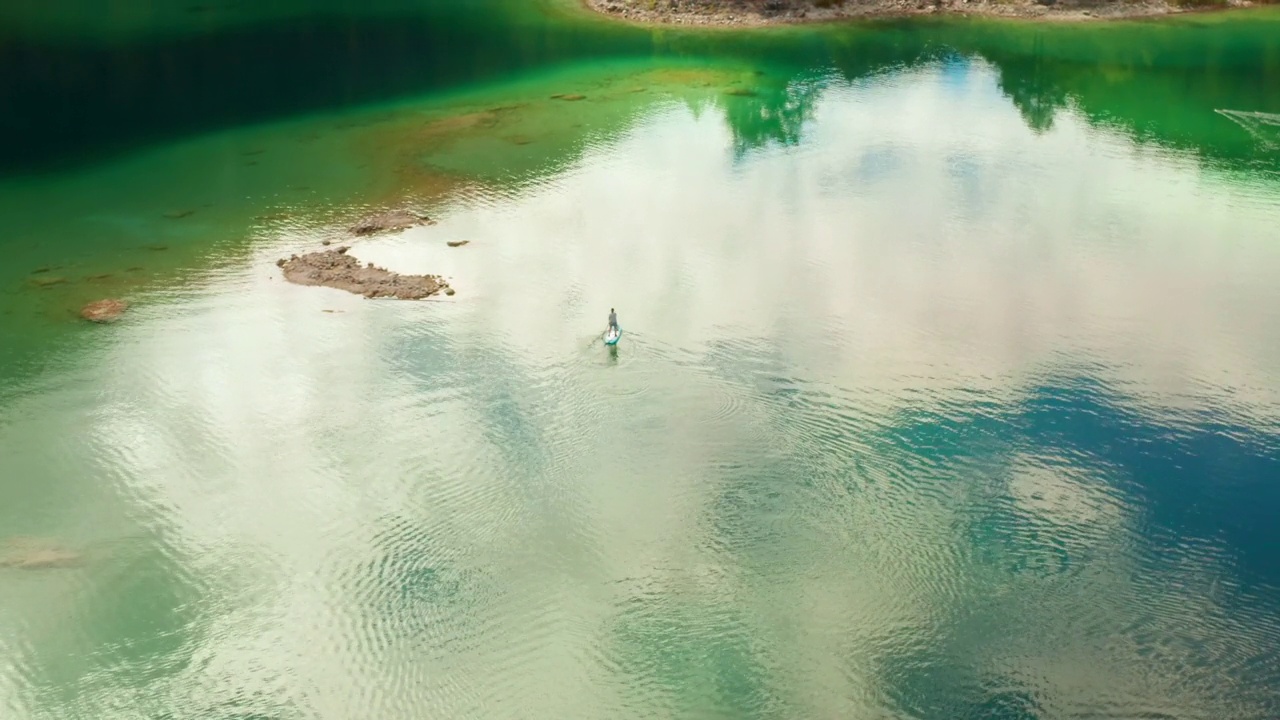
949 384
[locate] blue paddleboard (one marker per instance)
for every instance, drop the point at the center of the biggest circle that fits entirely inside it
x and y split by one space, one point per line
611 338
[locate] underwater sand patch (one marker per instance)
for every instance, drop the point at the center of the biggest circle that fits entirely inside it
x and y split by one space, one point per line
469 121
396 153
412 183
37 554
683 76
410 134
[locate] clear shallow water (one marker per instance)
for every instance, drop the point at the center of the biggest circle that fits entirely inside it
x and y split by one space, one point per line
924 407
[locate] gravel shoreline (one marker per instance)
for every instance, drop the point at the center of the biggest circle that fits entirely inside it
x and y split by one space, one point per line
748 13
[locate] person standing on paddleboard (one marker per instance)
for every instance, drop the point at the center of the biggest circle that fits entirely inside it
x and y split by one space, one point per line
613 320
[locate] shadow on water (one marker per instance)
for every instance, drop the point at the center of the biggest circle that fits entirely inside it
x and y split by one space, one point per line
71 102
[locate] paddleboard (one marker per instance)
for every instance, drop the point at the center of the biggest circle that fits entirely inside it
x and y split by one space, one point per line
612 338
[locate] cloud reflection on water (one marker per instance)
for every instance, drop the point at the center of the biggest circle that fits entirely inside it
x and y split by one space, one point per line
798 490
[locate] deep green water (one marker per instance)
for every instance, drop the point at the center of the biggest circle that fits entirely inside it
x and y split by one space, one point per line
949 388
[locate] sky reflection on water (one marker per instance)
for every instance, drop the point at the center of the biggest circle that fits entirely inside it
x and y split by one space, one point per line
920 412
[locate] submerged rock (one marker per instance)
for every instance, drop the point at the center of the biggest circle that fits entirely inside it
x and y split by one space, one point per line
457 243
389 221
179 214
104 311
336 269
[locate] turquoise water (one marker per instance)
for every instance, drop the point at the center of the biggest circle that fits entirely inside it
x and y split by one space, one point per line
949 387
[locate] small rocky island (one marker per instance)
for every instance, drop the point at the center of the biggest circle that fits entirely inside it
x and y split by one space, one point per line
767 12
336 269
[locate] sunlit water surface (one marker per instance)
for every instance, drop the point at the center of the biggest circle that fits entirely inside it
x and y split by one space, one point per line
927 414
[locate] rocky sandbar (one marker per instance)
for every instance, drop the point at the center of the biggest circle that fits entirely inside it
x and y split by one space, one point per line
336 269
769 12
